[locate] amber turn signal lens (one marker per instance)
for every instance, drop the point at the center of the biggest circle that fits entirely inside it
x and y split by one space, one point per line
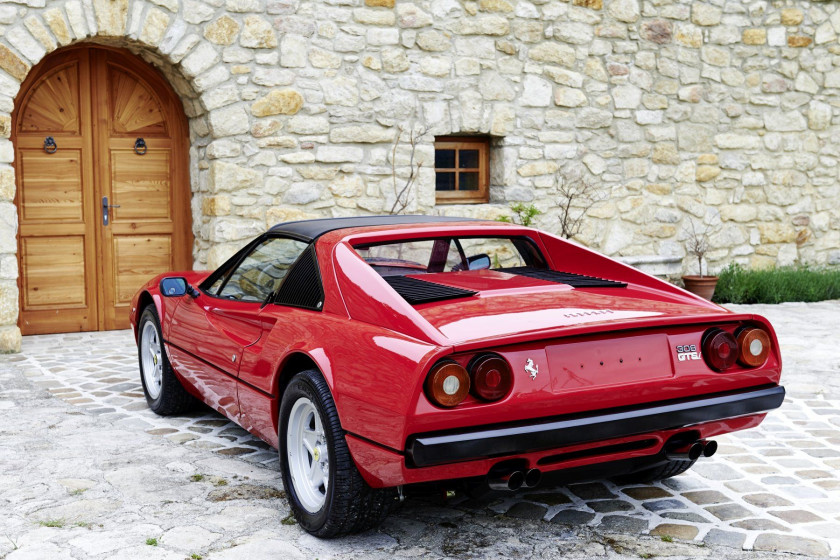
720 349
447 384
491 377
753 346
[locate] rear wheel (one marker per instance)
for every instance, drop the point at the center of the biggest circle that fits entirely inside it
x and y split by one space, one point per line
164 392
327 494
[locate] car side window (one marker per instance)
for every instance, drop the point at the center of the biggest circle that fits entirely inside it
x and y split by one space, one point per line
261 272
214 287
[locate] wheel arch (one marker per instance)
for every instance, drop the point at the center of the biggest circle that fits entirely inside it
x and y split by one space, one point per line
293 363
143 301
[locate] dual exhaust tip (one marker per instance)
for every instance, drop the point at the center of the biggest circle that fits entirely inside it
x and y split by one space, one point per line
515 480
675 451
691 451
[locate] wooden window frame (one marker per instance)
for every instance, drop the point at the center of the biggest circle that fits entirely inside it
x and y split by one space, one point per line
458 143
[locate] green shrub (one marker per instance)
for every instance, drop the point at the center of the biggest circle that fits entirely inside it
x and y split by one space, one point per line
523 215
736 284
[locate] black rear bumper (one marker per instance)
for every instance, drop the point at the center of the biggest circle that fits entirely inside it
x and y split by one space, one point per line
480 443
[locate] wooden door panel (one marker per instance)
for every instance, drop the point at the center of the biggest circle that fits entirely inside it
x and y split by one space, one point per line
134 108
57 293
55 272
141 186
144 232
52 105
137 259
57 234
51 186
77 273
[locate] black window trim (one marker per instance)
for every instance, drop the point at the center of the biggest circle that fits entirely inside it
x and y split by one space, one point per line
514 239
230 265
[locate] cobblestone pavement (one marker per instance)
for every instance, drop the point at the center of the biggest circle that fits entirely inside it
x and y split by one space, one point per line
94 474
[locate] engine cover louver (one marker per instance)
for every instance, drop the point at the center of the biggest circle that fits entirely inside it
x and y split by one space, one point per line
569 278
302 286
416 291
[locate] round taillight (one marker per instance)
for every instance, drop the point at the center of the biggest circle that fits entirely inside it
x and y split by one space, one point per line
491 377
447 384
753 346
720 349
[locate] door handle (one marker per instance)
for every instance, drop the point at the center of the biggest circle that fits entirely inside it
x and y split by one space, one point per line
105 208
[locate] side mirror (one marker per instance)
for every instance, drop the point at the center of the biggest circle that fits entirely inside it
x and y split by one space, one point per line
176 286
479 262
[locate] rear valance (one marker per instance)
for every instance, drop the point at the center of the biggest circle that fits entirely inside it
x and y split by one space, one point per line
483 442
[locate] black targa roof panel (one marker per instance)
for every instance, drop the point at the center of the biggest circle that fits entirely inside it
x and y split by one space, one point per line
313 229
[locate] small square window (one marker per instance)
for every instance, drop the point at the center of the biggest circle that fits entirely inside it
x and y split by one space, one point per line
462 169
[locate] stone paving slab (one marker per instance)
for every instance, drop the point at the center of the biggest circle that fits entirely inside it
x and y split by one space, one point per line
92 472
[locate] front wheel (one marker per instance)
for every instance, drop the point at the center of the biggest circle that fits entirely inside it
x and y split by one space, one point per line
163 390
327 494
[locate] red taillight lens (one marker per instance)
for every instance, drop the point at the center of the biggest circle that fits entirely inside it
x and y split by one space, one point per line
753 346
491 377
720 349
447 384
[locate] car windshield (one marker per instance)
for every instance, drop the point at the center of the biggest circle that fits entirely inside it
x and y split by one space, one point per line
450 254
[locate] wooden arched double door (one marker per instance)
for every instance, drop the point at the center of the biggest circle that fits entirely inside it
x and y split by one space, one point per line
101 152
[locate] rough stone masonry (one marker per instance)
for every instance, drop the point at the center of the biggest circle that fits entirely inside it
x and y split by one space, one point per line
713 111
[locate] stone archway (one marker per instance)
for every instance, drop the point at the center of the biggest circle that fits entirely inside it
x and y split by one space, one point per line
148 32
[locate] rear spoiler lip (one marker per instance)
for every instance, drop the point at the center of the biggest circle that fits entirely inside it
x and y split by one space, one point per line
645 323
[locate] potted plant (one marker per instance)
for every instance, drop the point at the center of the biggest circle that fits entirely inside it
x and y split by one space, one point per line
697 244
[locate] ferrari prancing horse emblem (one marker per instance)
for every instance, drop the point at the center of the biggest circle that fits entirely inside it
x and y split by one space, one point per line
531 369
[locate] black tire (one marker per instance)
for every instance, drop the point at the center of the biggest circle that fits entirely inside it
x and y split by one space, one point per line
659 472
350 505
173 398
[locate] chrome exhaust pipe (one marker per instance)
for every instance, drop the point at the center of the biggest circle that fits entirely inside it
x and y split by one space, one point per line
685 452
709 448
508 483
532 478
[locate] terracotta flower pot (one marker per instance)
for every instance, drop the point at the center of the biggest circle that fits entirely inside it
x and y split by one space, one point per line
703 286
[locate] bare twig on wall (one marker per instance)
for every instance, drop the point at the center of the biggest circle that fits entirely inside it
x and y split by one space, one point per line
403 191
697 242
577 194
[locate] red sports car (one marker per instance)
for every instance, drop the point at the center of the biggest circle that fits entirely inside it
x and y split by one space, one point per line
379 352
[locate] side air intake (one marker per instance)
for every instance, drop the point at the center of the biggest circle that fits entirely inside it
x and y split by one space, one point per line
573 280
302 286
416 291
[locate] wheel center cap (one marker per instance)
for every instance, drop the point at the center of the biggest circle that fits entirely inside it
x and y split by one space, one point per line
316 454
154 359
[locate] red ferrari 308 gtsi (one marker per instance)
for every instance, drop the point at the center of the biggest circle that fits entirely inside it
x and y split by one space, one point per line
380 352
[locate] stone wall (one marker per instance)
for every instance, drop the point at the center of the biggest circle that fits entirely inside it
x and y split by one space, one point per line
718 112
